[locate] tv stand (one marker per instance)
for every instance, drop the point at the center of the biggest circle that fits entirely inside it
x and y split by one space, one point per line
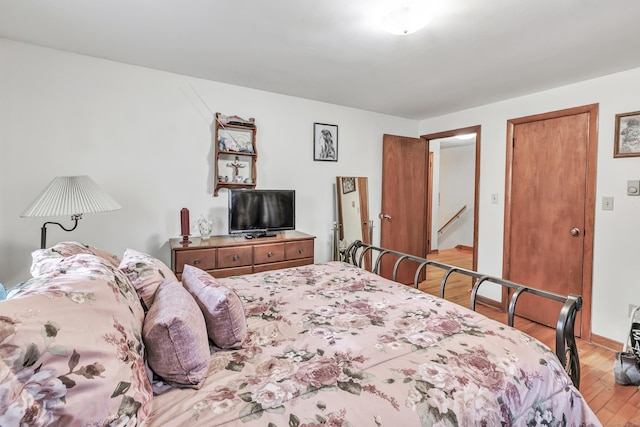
259 234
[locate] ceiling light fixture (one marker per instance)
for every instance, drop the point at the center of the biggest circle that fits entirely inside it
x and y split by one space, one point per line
466 136
407 19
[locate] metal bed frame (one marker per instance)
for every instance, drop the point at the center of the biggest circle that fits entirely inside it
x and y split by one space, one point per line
566 349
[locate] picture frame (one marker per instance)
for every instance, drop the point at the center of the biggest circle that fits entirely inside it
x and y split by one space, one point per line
325 142
627 136
348 184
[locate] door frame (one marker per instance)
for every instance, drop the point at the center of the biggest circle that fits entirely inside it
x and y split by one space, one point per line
476 197
590 204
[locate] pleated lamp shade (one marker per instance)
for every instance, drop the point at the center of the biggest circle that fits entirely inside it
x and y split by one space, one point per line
70 195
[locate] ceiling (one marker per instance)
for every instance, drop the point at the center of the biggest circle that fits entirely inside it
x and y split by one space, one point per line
473 52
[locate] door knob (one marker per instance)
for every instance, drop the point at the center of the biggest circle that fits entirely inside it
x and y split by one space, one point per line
575 232
384 216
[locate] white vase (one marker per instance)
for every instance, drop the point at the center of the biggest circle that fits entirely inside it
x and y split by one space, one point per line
205 226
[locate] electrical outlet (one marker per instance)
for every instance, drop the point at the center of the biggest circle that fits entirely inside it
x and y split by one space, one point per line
631 308
607 203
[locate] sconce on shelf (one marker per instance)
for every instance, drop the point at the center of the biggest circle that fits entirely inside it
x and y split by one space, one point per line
69 195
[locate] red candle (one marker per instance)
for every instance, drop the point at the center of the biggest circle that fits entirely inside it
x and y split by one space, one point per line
184 221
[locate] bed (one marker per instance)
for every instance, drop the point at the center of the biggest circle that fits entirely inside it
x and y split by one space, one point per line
325 344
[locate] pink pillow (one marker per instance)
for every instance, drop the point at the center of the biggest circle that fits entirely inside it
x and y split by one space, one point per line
71 349
45 260
106 255
175 337
222 308
146 273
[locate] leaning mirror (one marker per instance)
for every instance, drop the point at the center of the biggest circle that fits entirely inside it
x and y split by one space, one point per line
353 221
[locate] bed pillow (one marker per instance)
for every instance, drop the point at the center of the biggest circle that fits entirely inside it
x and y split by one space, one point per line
175 336
146 273
222 308
46 260
71 351
105 254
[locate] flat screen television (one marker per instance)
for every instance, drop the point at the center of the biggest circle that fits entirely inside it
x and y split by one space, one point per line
258 213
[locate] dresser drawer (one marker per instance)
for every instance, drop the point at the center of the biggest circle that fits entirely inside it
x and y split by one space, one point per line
298 249
263 254
204 259
235 256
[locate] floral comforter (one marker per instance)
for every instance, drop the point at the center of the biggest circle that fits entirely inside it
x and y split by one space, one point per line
335 345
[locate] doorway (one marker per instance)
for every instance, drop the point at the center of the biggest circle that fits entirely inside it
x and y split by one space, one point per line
550 210
452 221
406 197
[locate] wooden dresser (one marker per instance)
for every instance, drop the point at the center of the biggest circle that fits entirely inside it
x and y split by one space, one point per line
223 256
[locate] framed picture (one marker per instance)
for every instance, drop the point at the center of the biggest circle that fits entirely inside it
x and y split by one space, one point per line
627 137
325 142
348 184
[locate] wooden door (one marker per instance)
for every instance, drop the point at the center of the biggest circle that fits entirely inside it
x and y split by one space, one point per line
429 225
404 188
549 209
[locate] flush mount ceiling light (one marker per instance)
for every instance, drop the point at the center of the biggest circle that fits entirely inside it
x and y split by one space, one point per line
407 19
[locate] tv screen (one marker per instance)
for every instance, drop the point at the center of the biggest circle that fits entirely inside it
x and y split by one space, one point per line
252 211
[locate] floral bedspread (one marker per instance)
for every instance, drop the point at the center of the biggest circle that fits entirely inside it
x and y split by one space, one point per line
332 344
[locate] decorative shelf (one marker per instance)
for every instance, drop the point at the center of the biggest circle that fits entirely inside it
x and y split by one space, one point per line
236 153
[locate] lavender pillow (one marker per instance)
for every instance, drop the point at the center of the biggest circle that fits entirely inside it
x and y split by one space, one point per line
146 273
175 337
222 308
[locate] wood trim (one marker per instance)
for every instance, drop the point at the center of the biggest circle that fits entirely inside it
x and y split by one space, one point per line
606 342
429 202
464 248
590 200
477 129
489 302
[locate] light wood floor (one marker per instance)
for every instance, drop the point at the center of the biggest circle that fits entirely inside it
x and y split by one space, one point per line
614 405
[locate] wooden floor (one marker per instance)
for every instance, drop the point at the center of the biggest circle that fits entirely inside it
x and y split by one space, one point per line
614 405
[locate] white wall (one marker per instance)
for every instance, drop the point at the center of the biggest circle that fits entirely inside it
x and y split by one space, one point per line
146 138
457 189
616 270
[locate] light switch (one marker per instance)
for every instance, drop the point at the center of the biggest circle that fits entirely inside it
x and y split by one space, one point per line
494 198
607 203
633 188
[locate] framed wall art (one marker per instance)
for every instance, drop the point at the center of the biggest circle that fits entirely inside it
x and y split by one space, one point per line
348 184
627 137
325 142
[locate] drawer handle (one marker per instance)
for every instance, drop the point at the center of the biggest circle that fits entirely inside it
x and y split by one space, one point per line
300 250
196 262
269 254
236 257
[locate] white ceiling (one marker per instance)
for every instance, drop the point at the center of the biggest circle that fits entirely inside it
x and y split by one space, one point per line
473 52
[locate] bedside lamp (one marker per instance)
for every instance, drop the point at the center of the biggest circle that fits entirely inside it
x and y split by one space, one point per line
69 195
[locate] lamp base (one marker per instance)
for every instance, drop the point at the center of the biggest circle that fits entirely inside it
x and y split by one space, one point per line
185 240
